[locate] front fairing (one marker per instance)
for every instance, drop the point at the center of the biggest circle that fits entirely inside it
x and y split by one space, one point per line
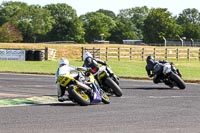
167 68
102 73
64 80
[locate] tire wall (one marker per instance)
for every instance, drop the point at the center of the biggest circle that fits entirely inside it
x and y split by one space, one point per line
34 55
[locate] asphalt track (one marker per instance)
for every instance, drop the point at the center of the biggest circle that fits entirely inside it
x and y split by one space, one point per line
144 108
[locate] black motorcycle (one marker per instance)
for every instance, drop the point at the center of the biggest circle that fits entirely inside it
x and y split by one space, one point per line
108 81
171 76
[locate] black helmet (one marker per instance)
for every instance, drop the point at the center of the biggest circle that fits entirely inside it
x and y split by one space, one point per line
150 59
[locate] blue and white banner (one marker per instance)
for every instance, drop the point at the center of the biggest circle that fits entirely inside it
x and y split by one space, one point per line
12 54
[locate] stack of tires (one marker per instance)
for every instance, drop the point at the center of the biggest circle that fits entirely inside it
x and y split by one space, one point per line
34 55
38 55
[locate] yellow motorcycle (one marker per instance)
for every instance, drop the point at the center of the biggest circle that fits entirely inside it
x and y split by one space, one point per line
83 88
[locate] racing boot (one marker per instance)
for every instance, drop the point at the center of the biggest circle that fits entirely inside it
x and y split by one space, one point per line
62 98
61 92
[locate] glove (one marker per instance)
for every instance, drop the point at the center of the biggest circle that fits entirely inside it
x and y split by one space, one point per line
81 69
89 69
151 75
87 73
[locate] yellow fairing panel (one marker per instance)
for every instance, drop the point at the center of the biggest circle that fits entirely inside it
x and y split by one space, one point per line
64 80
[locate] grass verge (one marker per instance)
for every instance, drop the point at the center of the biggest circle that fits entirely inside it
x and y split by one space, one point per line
130 69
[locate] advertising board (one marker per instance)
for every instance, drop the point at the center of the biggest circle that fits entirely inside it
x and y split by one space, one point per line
12 54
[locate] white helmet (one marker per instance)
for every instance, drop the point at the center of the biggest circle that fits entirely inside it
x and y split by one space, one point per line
87 54
63 61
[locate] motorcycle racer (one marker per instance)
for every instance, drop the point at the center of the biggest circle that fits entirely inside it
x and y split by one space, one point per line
154 67
164 72
90 62
63 69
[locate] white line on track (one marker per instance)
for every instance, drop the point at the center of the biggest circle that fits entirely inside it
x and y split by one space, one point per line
158 97
162 97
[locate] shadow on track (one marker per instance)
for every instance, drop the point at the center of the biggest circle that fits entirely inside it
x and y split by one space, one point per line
56 104
151 88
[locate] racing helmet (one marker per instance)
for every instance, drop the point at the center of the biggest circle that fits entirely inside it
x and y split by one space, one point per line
63 61
86 55
150 60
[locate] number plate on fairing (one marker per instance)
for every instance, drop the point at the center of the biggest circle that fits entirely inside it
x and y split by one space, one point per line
64 80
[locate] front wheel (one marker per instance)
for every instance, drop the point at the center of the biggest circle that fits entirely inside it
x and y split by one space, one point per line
115 79
79 95
111 84
180 83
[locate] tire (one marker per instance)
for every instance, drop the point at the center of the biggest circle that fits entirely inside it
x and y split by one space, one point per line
105 98
116 80
111 84
180 83
80 97
29 55
38 56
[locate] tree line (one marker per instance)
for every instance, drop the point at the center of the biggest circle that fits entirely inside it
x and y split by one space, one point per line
20 22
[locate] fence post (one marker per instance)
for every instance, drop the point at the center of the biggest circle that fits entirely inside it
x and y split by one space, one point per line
46 53
166 54
106 53
99 53
118 54
188 54
177 54
82 53
93 53
130 53
154 53
199 54
142 54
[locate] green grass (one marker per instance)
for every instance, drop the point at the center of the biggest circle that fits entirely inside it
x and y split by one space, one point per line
190 70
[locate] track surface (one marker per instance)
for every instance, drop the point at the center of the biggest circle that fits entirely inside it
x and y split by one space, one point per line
144 108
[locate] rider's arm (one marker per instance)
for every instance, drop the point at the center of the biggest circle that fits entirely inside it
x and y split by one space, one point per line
81 68
56 75
100 61
149 72
162 61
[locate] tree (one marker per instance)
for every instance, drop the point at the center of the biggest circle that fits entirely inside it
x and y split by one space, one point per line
191 31
160 23
124 30
189 19
10 33
67 26
95 24
41 21
107 13
12 12
137 15
32 20
191 16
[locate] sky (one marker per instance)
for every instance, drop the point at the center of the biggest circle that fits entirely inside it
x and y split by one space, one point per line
84 6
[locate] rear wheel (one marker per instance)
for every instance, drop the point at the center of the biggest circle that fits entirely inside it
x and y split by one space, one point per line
180 83
79 95
111 84
105 98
